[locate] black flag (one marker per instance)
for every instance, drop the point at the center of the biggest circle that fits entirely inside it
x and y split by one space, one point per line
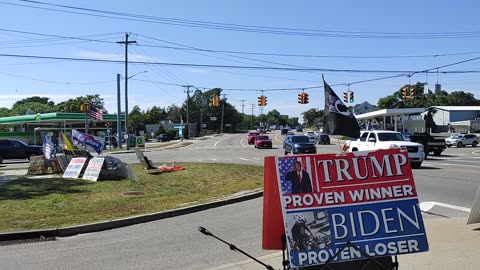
338 119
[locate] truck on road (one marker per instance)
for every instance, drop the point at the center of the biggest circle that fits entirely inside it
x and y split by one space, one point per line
384 139
430 143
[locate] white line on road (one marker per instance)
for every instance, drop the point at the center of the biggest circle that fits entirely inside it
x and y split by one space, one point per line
243 158
241 142
218 142
450 164
426 206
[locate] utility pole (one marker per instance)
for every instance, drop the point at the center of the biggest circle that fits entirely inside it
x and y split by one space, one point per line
188 101
119 114
126 42
243 104
223 112
251 119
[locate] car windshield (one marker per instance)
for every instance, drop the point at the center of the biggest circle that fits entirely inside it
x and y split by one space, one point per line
297 139
253 134
390 136
262 137
457 137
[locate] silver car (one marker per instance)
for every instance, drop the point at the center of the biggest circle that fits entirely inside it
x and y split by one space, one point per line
461 140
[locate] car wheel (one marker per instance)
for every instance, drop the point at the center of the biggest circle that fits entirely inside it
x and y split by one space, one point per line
474 144
437 153
416 165
460 145
448 145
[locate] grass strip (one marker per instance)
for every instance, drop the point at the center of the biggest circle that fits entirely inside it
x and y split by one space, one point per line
28 204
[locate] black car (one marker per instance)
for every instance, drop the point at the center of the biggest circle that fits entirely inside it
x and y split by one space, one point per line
298 144
284 131
163 138
16 149
323 139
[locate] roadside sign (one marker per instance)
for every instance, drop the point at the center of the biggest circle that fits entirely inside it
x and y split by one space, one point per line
93 169
204 125
74 168
228 125
213 118
361 204
140 141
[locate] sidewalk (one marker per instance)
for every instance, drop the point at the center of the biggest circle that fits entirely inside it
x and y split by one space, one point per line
9 175
453 245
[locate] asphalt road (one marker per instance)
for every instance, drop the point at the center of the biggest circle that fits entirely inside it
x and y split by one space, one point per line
446 186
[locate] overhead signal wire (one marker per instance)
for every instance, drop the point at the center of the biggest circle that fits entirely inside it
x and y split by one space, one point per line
243 27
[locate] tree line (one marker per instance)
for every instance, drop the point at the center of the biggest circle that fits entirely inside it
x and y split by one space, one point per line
200 111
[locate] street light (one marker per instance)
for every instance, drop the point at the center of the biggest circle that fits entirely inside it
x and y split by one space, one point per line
126 104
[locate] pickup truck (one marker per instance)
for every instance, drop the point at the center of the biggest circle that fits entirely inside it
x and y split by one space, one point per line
430 143
383 139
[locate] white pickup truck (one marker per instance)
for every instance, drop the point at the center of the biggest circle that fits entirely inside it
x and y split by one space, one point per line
383 139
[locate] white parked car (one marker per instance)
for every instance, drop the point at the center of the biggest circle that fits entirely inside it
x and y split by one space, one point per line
311 135
460 140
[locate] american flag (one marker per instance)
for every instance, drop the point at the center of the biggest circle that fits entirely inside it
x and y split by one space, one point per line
95 113
286 164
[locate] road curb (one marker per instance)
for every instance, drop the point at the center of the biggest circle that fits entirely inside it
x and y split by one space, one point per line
118 223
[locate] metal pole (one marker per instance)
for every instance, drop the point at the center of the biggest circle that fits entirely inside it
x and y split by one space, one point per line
126 42
119 114
251 119
126 91
223 109
86 118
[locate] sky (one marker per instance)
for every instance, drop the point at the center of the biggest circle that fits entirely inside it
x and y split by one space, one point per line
345 41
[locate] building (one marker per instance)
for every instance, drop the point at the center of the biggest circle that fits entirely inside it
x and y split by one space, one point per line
462 117
402 120
363 107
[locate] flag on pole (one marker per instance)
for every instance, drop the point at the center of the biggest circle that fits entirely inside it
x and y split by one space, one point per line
68 145
338 119
95 113
48 147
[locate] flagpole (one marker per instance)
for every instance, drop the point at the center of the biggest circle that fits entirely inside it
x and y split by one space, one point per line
339 146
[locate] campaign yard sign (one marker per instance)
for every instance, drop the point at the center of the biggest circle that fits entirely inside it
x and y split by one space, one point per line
93 169
74 168
352 206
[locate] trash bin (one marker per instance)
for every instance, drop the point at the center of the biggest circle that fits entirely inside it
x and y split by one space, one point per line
131 141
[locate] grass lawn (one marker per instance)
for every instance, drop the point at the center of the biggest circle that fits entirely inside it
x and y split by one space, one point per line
55 202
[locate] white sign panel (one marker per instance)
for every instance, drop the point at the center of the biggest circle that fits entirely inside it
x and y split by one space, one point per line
93 169
74 168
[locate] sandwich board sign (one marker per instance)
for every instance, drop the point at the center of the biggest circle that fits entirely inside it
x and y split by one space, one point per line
74 168
347 207
93 169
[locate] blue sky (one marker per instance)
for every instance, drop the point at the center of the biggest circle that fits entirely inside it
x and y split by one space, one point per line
61 80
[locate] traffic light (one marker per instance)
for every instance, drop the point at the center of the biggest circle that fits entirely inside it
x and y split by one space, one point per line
260 101
264 100
84 107
404 93
215 101
305 98
345 97
412 92
352 99
300 98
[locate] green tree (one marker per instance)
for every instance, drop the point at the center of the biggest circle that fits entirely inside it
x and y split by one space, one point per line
310 116
154 115
36 99
388 102
32 108
73 105
136 120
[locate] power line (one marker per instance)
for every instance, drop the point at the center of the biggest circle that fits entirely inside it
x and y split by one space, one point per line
243 27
